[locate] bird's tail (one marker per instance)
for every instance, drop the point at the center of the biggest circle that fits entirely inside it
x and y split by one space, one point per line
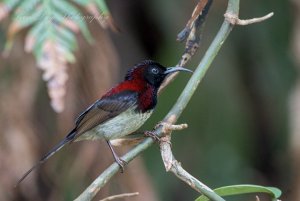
55 149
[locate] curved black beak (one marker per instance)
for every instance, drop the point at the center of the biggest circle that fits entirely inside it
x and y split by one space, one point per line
175 69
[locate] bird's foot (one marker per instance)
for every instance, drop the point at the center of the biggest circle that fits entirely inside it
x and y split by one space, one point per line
121 163
118 160
156 138
160 123
152 135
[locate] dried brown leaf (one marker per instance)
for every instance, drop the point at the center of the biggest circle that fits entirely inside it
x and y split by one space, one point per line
112 24
13 28
190 24
93 9
191 33
54 64
29 43
104 21
4 11
71 25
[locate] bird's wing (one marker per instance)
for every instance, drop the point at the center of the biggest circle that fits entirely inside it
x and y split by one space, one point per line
103 110
99 112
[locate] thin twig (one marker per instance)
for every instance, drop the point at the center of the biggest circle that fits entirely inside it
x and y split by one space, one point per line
167 128
124 195
192 34
171 117
234 19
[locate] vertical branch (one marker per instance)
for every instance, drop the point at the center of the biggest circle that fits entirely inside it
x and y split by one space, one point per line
192 33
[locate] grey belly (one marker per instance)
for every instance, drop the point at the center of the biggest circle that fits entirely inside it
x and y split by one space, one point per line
121 125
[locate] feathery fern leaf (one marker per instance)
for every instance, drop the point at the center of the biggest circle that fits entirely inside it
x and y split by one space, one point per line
6 6
52 35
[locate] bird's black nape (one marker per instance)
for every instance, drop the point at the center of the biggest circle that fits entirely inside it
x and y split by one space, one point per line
141 65
152 72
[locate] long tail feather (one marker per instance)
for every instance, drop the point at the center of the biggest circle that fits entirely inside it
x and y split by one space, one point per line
55 149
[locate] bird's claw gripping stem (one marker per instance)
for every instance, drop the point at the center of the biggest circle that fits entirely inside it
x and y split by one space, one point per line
152 135
155 137
118 160
121 163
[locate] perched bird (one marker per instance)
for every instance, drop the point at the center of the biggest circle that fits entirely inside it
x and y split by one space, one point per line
119 112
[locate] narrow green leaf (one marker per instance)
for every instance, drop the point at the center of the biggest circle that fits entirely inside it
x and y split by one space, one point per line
7 47
82 2
37 33
40 40
37 29
244 189
26 8
66 36
74 14
70 57
37 51
67 39
65 7
11 4
102 6
25 21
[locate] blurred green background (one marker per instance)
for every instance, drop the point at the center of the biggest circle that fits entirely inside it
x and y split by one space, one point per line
239 119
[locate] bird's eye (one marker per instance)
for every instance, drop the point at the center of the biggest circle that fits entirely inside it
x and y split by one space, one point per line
154 70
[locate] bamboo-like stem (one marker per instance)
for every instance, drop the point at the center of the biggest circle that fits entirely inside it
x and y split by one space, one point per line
172 116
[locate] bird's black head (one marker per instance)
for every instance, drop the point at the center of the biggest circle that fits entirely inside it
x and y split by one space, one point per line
151 72
154 73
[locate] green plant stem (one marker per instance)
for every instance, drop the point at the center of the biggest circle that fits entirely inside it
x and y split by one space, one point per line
175 112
